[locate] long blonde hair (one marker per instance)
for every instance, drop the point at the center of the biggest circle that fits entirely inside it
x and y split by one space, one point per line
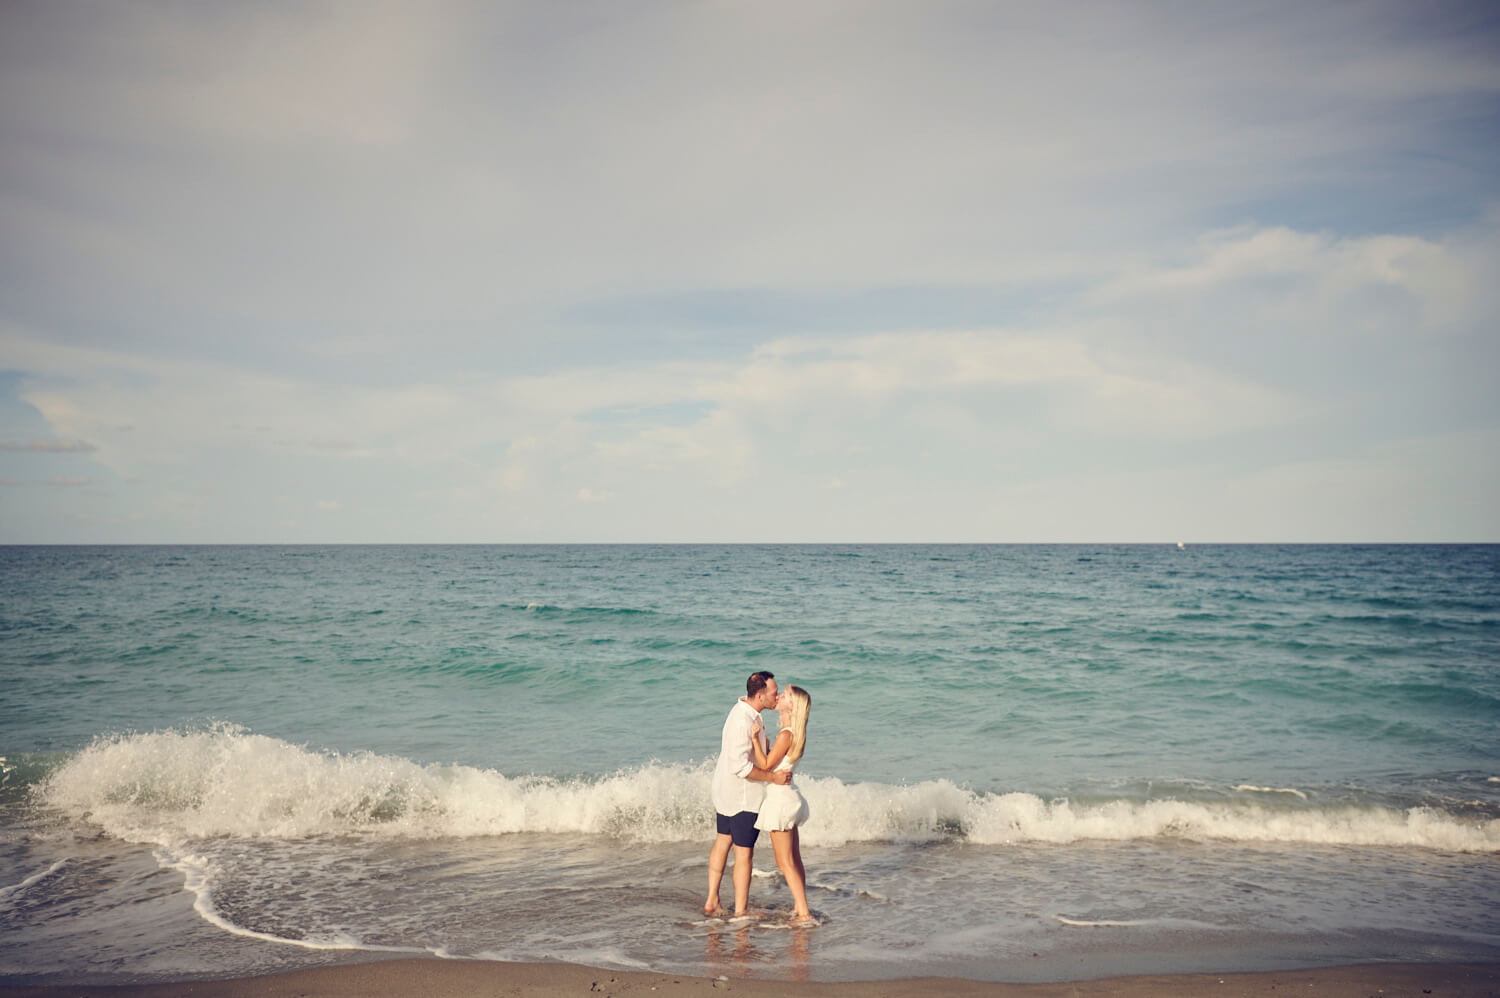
796 720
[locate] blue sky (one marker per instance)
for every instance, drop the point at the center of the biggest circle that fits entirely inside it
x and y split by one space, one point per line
951 271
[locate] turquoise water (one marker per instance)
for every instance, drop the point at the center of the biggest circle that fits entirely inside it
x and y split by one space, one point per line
1028 762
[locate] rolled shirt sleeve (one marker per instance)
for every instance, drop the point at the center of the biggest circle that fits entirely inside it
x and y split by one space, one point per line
737 743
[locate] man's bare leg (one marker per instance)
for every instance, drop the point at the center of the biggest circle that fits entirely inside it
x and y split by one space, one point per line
717 857
743 856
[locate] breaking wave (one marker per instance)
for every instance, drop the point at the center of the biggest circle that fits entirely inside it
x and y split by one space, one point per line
168 787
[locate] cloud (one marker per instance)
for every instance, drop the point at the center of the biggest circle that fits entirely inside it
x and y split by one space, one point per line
1056 373
460 258
48 446
348 447
1428 272
746 435
348 182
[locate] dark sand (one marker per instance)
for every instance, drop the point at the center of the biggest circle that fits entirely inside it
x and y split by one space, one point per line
452 979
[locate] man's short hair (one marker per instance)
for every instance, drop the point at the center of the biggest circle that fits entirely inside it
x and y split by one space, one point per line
757 682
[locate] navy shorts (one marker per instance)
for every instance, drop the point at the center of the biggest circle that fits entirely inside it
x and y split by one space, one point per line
741 828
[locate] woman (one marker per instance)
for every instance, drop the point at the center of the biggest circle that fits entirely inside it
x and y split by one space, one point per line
784 808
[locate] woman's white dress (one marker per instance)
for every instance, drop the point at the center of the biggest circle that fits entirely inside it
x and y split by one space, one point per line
783 806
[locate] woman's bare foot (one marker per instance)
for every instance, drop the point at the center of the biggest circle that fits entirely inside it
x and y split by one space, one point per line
803 918
712 907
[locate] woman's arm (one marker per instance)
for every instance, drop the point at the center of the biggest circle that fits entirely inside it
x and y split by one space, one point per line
778 752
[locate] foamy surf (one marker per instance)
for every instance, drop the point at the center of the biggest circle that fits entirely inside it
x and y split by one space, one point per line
171 787
198 881
1135 923
1250 788
12 889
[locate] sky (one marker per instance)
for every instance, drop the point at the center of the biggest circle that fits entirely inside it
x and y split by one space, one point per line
824 271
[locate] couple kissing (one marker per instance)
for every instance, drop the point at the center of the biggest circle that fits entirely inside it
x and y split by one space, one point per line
753 792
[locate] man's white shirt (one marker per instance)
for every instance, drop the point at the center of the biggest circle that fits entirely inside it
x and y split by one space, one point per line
732 792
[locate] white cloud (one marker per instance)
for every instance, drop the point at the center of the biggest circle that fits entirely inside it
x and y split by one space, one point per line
356 250
901 410
401 174
860 376
48 446
1429 271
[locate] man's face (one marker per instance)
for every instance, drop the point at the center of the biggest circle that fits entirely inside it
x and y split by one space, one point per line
767 696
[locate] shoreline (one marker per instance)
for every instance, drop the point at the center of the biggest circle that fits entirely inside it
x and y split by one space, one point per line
438 978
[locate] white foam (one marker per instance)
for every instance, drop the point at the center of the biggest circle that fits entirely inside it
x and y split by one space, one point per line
596 957
35 878
1080 923
1136 923
197 881
1248 788
170 787
1028 818
813 885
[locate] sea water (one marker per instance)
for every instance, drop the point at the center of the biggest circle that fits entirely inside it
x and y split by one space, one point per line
1023 762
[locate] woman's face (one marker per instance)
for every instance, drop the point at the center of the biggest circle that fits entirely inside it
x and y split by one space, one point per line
784 705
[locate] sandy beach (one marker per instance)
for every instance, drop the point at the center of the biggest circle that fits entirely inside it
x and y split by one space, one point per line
426 978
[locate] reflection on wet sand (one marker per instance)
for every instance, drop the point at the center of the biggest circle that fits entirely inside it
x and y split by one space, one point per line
750 946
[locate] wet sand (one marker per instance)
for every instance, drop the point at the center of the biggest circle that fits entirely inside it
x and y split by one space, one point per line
472 979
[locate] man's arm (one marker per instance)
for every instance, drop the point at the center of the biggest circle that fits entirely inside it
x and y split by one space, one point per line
738 731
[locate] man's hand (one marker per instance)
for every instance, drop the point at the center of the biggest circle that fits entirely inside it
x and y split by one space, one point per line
781 777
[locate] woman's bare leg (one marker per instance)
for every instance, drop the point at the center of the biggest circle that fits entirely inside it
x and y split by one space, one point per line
797 853
790 869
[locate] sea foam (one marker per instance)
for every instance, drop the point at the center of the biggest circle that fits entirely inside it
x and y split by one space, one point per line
31 881
170 787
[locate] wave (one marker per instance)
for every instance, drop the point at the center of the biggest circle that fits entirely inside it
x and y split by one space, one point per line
171 787
586 612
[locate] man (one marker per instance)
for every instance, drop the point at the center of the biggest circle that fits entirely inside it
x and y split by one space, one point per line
737 790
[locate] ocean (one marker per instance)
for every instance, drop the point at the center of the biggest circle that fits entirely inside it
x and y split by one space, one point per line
1024 763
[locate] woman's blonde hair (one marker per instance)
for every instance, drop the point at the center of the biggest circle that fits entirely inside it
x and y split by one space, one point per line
796 720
